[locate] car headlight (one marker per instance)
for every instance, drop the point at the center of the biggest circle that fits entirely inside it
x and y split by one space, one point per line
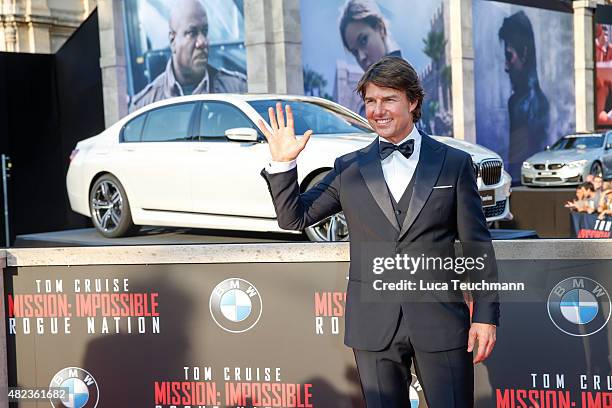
527 165
577 164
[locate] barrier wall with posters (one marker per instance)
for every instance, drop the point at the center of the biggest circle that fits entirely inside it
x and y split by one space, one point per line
262 325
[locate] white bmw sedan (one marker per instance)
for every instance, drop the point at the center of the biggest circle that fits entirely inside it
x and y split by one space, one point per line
194 161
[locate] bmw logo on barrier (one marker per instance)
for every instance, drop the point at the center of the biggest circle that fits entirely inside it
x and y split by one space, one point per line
579 306
82 388
235 305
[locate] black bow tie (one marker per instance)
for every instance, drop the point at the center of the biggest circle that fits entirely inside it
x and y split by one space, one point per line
405 148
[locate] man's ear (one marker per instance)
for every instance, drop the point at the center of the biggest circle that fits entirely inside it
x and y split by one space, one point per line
413 105
171 37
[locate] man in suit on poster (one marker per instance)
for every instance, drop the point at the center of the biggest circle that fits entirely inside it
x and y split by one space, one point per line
404 188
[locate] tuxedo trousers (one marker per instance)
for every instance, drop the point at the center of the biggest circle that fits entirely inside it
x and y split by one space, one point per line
446 377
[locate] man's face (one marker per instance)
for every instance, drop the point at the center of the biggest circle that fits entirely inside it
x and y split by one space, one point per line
367 44
515 62
389 112
597 182
580 193
189 43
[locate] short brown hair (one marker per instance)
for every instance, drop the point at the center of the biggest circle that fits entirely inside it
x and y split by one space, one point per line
396 73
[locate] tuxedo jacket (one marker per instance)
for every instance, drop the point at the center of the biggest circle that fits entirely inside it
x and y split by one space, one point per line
436 217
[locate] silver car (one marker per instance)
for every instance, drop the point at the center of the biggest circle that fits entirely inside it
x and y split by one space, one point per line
570 160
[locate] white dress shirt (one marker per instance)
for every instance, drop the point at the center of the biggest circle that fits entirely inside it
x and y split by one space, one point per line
397 170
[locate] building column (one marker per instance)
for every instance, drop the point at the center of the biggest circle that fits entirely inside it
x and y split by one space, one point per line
462 70
584 64
112 60
273 41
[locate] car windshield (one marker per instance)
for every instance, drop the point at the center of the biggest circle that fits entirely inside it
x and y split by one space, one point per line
578 142
311 115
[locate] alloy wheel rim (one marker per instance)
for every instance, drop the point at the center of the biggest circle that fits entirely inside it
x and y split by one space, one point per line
331 229
107 206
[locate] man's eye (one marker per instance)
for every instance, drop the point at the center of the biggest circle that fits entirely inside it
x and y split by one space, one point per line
363 40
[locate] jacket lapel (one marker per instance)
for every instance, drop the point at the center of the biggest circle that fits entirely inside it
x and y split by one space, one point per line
426 175
372 173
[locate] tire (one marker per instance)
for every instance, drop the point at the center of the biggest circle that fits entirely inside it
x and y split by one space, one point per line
320 232
110 209
596 169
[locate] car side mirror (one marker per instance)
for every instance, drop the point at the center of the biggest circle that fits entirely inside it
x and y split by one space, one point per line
547 147
242 134
609 146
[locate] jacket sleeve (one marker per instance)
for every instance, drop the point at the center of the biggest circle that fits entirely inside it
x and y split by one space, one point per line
476 242
295 210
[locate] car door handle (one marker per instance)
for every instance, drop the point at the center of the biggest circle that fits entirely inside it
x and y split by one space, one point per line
201 149
128 149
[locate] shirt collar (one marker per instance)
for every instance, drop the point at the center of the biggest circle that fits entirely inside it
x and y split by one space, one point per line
414 134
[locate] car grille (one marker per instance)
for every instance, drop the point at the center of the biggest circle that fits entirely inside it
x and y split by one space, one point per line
491 171
548 179
550 166
495 210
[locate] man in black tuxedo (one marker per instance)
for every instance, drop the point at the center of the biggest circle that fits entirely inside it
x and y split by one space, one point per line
404 188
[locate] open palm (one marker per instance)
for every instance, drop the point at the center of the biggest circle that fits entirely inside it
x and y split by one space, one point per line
284 146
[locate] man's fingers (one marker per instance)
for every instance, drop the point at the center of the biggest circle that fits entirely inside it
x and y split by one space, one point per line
272 116
264 130
471 341
305 139
289 116
280 115
481 351
489 349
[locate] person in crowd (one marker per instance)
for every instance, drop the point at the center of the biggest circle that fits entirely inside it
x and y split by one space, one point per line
188 71
584 201
598 187
605 203
589 178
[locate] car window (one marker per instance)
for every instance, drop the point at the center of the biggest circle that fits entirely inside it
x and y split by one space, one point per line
169 123
578 142
133 129
321 119
217 117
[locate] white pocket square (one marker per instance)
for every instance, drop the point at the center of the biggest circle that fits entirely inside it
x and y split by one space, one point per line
442 187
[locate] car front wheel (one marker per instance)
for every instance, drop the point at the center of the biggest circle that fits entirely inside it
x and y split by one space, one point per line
109 207
596 169
332 228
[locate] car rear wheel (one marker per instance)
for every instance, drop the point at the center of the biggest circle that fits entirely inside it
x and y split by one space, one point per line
331 229
109 207
596 169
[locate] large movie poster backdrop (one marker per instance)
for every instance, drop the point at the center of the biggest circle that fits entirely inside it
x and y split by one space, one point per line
603 66
183 47
524 79
271 335
371 30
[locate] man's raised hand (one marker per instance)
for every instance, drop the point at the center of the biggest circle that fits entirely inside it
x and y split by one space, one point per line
283 144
